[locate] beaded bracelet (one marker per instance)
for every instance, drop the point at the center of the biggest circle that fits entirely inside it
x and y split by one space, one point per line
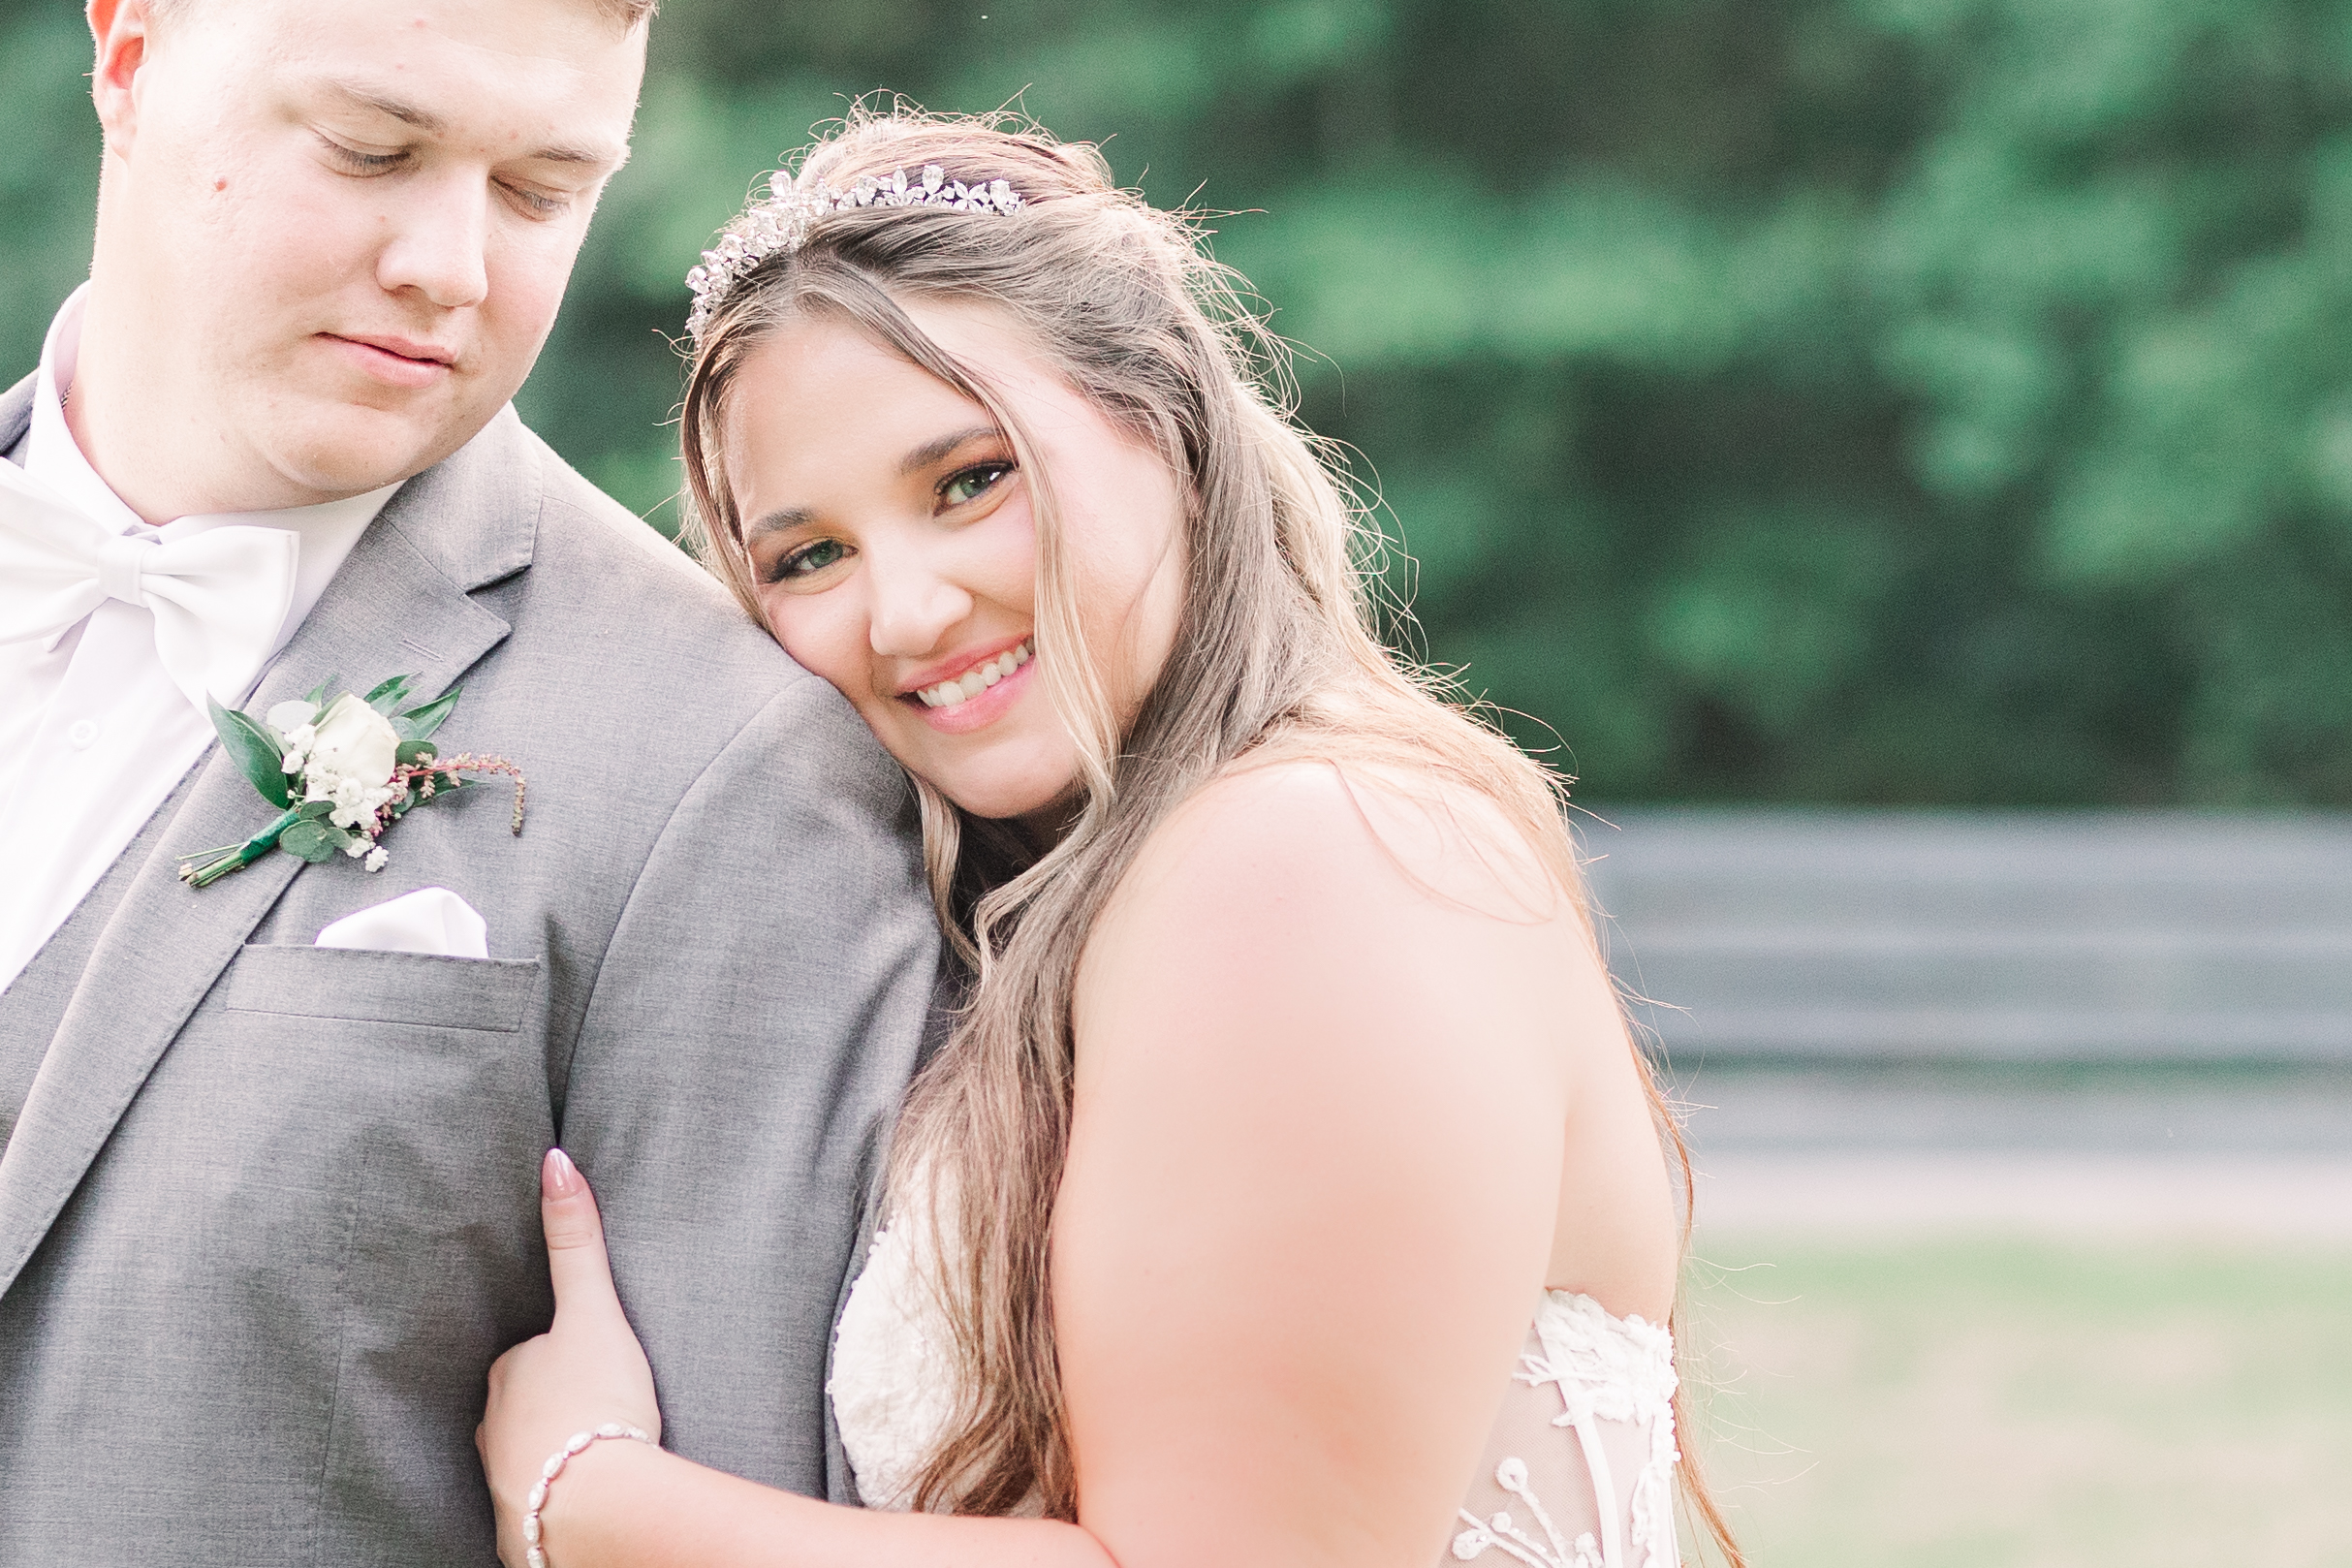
549 1471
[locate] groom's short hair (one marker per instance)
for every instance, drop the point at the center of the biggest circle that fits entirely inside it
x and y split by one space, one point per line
627 13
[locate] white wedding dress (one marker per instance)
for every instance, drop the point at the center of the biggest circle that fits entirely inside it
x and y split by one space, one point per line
1579 1468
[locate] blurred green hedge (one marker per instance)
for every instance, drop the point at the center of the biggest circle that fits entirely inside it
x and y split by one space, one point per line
1842 401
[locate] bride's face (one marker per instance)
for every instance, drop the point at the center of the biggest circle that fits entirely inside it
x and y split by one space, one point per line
895 550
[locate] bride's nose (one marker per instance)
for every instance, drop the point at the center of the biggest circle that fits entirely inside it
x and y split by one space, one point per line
911 609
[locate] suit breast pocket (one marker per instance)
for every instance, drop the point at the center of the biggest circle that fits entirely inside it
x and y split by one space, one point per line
347 1144
489 995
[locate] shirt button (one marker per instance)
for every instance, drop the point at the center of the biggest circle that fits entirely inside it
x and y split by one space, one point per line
82 733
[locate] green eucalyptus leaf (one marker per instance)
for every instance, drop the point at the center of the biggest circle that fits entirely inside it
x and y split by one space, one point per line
413 753
255 752
313 810
318 693
420 723
311 840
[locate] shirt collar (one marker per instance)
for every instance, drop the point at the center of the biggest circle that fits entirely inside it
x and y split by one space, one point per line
327 532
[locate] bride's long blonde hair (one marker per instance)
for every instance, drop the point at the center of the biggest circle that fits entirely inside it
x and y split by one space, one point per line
1278 653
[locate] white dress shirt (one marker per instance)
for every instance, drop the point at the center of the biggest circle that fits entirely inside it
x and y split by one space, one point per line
94 733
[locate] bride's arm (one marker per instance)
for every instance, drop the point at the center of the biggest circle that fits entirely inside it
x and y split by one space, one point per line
638 1508
625 1504
1324 1076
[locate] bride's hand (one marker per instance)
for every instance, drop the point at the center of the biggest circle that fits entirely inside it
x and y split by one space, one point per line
585 1371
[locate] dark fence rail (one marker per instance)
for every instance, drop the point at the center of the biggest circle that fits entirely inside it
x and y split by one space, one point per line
2094 937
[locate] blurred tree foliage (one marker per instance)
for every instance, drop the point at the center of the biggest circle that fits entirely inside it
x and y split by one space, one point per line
1844 401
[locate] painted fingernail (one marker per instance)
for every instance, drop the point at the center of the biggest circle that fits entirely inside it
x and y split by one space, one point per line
558 1177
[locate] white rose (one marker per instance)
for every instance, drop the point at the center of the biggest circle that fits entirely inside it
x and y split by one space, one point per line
355 743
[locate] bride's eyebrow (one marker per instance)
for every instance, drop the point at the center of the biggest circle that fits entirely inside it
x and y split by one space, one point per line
931 452
776 522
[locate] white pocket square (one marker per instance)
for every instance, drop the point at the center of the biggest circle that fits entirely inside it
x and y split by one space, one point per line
432 920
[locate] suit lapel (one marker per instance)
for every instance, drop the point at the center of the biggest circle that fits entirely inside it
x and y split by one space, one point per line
16 414
400 604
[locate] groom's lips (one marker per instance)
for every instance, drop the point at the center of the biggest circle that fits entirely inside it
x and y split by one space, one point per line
396 361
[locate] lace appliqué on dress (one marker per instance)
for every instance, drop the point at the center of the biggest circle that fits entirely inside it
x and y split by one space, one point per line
1614 1378
1502 1530
896 1386
893 1383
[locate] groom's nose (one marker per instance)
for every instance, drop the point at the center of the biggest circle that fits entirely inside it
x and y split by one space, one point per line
440 233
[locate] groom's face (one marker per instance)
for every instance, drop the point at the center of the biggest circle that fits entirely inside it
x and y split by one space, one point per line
348 222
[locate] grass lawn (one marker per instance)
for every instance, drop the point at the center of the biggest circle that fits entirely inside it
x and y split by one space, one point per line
2014 1405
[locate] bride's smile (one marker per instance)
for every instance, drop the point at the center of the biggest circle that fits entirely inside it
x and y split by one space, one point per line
954 698
892 527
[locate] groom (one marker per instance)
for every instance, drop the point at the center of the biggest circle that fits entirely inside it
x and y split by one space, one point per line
268 1203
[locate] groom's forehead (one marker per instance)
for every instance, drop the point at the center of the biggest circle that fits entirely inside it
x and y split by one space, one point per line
509 71
622 14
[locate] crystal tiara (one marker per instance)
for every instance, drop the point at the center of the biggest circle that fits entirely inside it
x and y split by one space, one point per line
780 223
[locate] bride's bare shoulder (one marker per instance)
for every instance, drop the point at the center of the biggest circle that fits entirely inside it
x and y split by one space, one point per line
1296 828
1298 881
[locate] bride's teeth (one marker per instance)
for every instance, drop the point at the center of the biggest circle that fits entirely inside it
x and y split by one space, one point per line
977 680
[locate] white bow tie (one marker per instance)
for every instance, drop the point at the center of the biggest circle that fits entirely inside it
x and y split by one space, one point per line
219 598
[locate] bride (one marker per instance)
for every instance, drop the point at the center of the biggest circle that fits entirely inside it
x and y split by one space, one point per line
1289 1190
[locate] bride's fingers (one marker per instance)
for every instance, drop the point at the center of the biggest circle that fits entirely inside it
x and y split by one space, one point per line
576 1239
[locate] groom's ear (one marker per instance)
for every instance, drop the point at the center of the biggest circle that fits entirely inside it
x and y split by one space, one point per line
124 32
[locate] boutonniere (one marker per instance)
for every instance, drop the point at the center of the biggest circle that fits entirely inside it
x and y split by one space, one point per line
342 770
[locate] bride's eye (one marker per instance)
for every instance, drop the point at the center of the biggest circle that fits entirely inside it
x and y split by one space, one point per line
810 559
971 484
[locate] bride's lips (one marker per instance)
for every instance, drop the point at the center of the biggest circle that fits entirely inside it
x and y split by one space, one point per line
980 711
985 705
395 361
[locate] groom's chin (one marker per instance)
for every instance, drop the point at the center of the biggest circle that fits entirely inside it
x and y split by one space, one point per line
333 448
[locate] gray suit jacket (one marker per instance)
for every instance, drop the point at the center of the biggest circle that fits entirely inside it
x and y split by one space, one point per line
269 1211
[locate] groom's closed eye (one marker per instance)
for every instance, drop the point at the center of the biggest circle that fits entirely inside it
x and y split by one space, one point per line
585 166
354 161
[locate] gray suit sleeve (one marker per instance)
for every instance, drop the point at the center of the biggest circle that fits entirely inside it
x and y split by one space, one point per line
752 1029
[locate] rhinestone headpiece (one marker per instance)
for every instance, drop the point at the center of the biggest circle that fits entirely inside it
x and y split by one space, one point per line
780 223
